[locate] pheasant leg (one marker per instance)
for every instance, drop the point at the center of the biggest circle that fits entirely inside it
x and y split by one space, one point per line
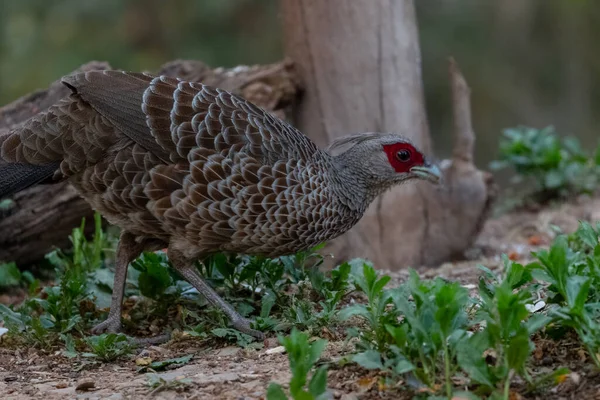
127 251
191 274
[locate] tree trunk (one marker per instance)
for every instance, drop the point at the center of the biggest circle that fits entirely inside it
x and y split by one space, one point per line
359 64
42 217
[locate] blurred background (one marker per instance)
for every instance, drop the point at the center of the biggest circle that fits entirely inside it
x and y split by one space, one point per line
532 62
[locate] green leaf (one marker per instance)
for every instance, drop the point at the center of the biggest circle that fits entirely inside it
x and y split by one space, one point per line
370 359
403 366
9 275
318 382
380 284
275 392
162 365
155 277
587 234
268 301
578 288
316 348
356 309
13 318
537 322
518 350
398 333
470 358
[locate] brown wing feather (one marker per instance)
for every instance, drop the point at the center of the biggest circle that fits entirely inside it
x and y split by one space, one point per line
169 117
118 97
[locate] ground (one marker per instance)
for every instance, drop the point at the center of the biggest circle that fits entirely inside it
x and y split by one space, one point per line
221 371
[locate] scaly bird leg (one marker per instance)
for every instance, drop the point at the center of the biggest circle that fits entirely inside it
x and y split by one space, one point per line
187 269
127 251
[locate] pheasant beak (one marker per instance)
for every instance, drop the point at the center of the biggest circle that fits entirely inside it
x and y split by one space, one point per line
427 171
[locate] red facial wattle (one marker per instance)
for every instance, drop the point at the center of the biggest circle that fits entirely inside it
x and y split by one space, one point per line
392 150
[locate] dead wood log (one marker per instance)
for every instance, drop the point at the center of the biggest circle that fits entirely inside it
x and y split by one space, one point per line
41 218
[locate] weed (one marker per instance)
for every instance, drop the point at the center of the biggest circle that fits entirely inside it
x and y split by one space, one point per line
558 167
424 341
501 348
570 275
375 312
60 309
303 357
11 276
108 347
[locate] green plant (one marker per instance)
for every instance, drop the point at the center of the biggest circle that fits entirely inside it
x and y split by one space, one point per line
375 312
59 309
571 275
108 347
303 357
286 291
424 340
558 167
507 326
432 327
11 276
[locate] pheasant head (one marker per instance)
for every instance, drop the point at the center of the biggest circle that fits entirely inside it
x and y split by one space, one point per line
368 164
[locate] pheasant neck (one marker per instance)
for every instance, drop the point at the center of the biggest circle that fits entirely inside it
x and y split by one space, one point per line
353 185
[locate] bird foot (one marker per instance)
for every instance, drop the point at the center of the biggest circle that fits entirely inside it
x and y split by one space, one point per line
243 325
112 324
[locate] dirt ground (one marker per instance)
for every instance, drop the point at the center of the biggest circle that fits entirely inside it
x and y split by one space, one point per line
218 372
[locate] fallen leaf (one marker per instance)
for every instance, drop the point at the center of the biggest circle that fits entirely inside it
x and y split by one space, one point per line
366 383
535 240
161 365
514 396
143 361
561 378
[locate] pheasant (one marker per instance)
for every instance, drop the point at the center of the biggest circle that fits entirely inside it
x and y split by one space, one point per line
197 170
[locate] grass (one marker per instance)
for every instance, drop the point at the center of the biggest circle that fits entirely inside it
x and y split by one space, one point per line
433 335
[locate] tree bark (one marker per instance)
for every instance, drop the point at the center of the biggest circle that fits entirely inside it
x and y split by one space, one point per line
42 217
360 66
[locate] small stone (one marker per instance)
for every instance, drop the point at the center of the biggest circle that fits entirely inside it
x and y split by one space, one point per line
575 377
203 379
85 385
61 385
228 351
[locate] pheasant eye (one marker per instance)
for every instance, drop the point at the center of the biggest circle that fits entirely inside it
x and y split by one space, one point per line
403 155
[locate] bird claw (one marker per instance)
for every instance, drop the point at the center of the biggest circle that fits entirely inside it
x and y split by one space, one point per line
113 325
110 325
243 325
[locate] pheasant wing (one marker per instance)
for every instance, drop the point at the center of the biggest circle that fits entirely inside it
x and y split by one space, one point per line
169 117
